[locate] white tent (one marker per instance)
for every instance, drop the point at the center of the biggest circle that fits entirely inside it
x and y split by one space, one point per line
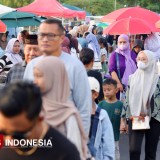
4 9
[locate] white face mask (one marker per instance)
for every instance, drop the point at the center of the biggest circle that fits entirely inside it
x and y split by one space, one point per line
141 65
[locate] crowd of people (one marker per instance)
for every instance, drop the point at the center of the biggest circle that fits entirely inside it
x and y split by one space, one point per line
50 90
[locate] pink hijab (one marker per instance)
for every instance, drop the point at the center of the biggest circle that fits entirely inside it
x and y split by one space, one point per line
65 45
56 105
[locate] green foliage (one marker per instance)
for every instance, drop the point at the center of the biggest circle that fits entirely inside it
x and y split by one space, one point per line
153 5
15 3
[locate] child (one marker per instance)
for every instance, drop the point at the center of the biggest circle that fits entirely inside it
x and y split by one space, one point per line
101 143
104 54
113 108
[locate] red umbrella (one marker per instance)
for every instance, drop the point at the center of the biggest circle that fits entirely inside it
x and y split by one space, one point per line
130 26
3 27
136 12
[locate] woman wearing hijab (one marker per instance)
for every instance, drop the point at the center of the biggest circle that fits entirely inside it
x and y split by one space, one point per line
142 102
3 43
65 45
137 46
50 75
80 32
11 56
122 62
93 45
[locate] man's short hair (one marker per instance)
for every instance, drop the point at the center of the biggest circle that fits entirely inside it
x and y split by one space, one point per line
86 55
20 97
110 81
55 21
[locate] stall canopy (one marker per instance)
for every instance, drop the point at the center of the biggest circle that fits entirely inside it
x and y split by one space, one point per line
51 8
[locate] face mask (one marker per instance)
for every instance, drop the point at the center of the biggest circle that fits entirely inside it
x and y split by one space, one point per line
122 47
141 65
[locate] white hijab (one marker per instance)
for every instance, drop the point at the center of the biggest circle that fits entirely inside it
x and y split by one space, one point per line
142 86
13 57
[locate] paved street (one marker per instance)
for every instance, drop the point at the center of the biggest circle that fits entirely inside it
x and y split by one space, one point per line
125 151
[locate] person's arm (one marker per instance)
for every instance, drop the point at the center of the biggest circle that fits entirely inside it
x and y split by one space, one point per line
113 70
115 77
107 139
125 113
8 79
81 95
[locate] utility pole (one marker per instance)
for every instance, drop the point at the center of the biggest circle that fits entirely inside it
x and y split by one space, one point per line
115 4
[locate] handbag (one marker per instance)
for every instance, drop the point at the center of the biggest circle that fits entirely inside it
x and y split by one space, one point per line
139 124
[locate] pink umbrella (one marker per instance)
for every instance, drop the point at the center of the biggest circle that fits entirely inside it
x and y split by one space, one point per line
135 12
158 24
130 26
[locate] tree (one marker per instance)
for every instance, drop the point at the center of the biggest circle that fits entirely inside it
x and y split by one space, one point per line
149 4
96 7
16 3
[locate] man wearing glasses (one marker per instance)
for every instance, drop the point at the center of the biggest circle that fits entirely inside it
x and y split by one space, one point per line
50 36
20 120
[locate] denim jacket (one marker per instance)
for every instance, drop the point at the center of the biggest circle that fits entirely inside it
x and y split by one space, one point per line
104 140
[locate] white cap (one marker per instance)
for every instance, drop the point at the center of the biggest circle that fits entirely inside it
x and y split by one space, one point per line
94 84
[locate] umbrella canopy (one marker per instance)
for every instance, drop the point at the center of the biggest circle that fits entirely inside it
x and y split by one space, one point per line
51 8
135 12
158 24
76 9
19 19
5 9
130 26
3 27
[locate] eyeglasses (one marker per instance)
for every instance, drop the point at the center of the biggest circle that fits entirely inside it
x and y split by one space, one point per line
50 36
18 135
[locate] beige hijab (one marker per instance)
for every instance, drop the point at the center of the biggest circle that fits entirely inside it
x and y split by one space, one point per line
142 86
56 106
82 29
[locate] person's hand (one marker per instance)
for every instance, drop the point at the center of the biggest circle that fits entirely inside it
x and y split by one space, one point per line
123 127
120 87
103 58
141 117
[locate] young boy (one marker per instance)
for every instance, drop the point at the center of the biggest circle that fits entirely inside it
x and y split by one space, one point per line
101 138
113 108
